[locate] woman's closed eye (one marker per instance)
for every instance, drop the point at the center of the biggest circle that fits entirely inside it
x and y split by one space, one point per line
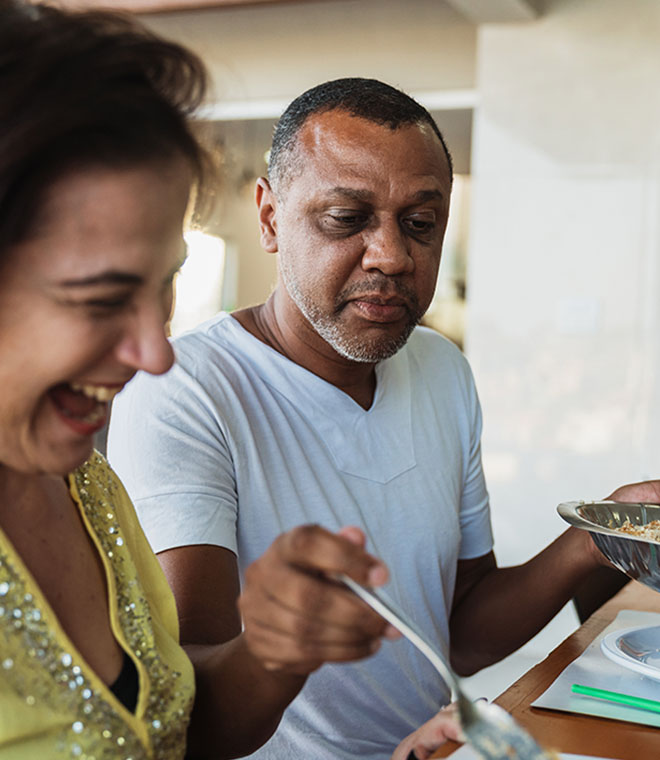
109 303
102 306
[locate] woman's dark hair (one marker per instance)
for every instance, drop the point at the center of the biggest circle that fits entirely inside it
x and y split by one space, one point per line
86 88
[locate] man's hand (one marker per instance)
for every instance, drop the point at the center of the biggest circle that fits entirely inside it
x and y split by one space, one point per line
295 617
428 737
647 492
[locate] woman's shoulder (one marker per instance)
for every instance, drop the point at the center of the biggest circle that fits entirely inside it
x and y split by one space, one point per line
97 482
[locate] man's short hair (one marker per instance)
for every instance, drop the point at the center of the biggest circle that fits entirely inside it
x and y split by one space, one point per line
364 98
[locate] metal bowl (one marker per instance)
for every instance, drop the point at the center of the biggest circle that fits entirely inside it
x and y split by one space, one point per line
635 556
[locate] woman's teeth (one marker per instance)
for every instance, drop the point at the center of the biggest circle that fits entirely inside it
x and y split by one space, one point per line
98 392
96 415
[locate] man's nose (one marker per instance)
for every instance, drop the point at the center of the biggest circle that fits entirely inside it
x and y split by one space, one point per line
144 344
388 250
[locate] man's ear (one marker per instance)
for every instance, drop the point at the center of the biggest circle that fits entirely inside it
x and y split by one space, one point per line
267 205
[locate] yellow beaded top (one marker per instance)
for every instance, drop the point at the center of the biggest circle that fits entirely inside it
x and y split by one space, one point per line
52 705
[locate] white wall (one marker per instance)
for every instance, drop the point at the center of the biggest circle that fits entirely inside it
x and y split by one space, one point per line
563 264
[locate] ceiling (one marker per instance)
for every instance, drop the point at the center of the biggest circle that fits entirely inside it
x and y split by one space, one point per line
477 11
159 6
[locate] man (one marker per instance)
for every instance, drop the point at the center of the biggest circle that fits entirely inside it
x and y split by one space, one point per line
327 405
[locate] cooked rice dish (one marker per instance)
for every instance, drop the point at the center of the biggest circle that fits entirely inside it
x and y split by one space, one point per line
650 531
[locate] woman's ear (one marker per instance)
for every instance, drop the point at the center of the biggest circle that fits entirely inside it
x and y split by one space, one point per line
267 205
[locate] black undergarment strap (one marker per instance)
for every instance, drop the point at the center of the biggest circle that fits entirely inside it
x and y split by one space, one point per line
127 685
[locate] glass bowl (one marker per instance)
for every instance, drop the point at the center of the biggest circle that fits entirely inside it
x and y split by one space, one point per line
637 557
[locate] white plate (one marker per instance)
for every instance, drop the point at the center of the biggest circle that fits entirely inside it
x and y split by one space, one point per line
635 648
467 753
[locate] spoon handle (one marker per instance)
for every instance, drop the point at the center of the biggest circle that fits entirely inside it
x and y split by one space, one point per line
384 606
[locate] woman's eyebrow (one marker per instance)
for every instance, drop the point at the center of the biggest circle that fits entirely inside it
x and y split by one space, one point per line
116 277
110 277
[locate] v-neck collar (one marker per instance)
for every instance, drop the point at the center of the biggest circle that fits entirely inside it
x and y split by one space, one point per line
381 441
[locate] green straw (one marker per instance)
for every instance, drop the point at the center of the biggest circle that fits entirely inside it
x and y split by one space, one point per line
614 696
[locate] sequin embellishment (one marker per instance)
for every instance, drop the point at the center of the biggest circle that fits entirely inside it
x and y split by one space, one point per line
39 669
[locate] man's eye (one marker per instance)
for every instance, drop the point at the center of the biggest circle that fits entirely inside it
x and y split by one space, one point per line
342 221
420 226
347 218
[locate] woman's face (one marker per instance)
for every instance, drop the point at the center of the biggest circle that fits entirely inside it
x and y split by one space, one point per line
83 306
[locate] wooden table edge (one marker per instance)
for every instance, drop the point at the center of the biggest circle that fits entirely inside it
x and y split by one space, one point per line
568 732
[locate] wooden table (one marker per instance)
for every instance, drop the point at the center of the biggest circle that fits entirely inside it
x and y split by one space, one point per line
569 732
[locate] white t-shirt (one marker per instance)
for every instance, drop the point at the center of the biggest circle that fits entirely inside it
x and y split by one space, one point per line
237 444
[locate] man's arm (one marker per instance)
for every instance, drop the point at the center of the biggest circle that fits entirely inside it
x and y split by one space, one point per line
205 583
294 621
496 610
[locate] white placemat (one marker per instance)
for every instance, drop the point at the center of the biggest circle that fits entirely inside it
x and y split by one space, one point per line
592 668
467 753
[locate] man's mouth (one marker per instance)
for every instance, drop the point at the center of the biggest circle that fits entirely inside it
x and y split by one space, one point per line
84 407
380 309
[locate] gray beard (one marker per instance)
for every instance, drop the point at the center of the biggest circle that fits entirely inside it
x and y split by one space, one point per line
329 328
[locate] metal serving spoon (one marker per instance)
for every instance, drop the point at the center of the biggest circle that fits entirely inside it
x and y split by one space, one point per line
487 727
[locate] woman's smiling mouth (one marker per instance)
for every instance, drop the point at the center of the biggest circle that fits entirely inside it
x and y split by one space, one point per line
83 407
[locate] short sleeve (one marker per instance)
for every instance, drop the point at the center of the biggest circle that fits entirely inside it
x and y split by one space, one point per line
166 442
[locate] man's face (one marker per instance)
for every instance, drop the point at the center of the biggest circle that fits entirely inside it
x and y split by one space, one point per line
359 231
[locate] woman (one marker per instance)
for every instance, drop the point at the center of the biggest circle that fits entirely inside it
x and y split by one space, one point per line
97 167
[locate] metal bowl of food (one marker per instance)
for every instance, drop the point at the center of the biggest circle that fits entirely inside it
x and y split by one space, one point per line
625 533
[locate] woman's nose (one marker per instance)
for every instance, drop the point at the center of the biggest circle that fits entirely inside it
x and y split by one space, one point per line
144 345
